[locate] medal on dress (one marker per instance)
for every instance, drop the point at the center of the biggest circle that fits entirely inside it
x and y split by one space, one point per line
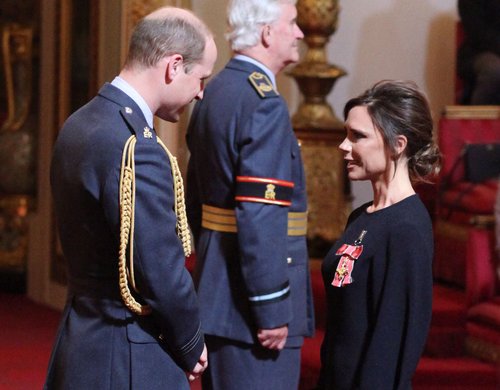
349 253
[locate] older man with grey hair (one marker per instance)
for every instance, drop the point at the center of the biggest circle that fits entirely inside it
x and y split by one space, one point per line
247 207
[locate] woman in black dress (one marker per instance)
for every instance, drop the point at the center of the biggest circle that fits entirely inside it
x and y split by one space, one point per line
378 275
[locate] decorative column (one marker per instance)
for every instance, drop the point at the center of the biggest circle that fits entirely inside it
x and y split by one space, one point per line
318 129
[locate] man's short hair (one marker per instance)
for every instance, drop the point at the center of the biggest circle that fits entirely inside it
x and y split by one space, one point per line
246 17
154 38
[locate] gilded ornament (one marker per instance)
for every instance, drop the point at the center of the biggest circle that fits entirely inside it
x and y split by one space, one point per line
270 193
147 133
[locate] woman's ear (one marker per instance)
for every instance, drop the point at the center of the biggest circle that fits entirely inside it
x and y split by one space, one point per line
401 143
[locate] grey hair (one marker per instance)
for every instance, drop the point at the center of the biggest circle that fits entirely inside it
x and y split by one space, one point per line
154 38
246 17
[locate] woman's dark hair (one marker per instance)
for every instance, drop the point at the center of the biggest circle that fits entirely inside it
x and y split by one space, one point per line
399 108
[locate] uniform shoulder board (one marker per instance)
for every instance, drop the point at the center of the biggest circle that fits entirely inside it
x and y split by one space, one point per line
262 85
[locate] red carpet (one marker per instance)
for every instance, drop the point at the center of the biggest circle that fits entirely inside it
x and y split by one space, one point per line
456 373
28 330
27 333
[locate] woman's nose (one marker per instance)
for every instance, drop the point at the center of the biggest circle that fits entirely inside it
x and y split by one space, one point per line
345 146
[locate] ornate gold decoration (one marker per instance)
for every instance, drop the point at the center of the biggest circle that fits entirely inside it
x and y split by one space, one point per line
18 129
318 129
472 112
328 204
261 84
17 146
270 193
16 54
179 203
140 8
127 214
314 75
135 10
13 233
147 133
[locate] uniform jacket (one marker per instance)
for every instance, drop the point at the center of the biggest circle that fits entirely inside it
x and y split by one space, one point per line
101 344
234 131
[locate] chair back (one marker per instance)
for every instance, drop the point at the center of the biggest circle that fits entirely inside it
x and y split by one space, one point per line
461 125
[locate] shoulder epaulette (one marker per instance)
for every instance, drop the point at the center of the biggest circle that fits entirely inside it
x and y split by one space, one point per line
262 85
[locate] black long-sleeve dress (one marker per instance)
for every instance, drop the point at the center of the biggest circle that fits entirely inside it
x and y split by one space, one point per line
379 317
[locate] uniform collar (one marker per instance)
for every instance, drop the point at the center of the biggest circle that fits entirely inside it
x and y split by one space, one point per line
260 65
121 84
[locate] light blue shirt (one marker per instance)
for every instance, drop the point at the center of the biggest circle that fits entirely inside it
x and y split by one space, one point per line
264 68
121 84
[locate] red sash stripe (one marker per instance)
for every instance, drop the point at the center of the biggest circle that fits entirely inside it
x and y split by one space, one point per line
262 200
252 179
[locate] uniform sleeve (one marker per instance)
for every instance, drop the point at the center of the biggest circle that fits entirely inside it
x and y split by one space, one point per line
265 152
404 312
159 262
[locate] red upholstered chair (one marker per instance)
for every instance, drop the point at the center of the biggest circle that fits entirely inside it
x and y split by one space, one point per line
483 296
462 205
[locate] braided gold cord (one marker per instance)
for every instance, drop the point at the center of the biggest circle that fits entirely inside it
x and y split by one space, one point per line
131 165
180 205
127 212
127 201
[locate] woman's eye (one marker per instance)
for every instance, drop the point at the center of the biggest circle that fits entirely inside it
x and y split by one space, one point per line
357 135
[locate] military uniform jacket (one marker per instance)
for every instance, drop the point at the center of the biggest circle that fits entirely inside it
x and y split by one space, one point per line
101 344
257 277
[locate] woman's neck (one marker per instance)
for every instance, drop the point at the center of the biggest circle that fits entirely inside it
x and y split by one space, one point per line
390 191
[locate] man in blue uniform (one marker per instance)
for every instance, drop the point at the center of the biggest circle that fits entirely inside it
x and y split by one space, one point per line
247 207
131 320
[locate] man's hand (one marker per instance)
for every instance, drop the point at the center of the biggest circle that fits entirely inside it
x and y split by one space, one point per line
273 338
200 366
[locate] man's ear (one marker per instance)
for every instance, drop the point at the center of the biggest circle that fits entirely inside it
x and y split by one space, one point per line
266 35
174 65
